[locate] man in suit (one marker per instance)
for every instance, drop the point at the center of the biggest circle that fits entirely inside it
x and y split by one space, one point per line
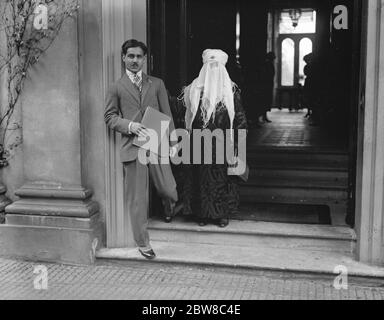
126 102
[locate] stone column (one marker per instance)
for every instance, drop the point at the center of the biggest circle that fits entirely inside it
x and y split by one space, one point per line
55 218
122 20
370 169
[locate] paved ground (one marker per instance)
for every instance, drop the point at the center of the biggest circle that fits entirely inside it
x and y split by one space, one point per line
153 281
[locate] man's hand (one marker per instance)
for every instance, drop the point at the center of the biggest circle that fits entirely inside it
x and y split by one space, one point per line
139 130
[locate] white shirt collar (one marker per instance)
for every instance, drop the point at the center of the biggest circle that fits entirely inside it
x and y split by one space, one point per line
131 74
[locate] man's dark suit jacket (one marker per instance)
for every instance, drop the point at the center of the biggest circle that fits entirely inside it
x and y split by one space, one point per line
124 103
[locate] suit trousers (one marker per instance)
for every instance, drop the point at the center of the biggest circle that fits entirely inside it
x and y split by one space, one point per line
136 194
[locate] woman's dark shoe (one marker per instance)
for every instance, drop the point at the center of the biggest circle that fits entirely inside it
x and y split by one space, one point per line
223 223
172 212
202 222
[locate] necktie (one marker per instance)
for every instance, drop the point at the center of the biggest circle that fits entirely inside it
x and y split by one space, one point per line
138 82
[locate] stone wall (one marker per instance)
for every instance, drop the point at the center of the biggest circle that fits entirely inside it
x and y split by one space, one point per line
54 216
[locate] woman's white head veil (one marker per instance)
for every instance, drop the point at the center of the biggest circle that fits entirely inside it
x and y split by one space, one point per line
211 87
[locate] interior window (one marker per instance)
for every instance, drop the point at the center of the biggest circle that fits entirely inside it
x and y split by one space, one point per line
305 48
287 62
306 21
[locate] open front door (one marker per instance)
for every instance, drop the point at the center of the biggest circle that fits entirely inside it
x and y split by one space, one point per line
357 118
179 31
291 50
210 27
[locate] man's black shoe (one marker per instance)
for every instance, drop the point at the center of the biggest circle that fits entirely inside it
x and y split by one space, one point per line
167 219
148 254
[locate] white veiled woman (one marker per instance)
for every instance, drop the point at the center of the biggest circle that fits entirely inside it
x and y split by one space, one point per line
212 102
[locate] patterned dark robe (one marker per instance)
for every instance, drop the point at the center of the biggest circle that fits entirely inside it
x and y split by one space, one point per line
206 190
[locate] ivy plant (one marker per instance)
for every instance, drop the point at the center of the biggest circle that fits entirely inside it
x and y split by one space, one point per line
29 27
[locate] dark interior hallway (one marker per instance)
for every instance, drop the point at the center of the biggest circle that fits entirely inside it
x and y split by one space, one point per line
293 129
298 172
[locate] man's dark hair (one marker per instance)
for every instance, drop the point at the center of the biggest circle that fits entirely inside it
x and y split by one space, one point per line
132 43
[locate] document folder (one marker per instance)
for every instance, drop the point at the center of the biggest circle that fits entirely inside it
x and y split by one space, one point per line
154 119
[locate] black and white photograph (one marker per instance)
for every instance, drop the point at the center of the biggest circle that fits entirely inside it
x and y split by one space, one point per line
191 155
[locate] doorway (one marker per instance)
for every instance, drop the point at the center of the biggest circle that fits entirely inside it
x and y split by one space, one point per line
296 38
297 163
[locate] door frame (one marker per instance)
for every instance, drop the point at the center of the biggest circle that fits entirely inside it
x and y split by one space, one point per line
291 90
370 133
369 186
184 32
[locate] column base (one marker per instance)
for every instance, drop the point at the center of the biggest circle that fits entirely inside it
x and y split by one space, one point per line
52 223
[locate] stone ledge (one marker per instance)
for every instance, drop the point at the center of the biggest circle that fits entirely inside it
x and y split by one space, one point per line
51 244
52 199
53 191
51 221
259 228
46 207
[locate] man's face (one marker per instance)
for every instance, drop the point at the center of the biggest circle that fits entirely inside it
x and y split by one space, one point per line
134 59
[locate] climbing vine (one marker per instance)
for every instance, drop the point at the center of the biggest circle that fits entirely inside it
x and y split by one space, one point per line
29 27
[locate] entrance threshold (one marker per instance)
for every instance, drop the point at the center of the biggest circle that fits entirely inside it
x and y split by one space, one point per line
252 245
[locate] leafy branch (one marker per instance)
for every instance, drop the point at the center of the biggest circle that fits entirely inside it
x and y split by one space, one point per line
25 45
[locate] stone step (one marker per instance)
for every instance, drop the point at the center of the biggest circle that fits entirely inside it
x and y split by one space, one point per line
291 194
296 182
329 175
294 160
297 150
257 235
298 164
246 257
284 213
299 167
